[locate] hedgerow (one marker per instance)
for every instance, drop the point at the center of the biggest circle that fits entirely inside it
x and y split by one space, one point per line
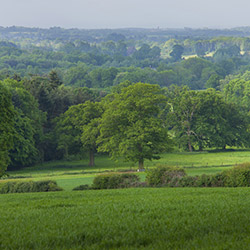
167 176
29 186
111 181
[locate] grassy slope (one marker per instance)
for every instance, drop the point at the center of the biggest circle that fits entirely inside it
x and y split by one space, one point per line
70 174
166 218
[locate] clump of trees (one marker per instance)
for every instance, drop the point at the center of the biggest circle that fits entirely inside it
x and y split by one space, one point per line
44 120
204 119
127 124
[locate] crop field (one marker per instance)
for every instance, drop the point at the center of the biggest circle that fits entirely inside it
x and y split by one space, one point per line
142 218
135 218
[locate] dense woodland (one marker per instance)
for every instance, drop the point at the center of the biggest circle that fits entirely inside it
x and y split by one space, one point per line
134 93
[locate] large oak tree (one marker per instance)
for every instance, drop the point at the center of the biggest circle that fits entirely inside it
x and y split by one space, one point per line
131 126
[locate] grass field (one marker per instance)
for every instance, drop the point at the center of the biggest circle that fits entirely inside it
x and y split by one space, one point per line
70 174
141 218
166 218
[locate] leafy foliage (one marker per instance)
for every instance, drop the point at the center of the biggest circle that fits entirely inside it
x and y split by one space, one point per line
204 119
7 116
29 186
165 176
131 126
112 181
239 176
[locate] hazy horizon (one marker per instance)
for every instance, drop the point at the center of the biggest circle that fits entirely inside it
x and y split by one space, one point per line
114 14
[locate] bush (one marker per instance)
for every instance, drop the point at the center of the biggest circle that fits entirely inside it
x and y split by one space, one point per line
218 180
188 181
81 187
165 176
29 186
239 176
204 180
8 187
112 181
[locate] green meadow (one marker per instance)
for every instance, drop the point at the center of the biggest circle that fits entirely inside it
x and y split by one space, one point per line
135 218
70 174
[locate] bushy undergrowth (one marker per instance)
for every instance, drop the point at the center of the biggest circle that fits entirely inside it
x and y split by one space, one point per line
169 176
113 181
166 176
82 187
29 186
239 176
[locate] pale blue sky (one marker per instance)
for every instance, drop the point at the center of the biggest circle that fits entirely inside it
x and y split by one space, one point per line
125 13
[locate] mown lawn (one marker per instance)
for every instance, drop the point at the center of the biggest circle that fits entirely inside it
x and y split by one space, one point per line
70 174
143 218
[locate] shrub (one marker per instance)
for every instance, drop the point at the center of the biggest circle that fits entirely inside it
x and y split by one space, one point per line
29 186
81 187
204 180
112 181
188 181
8 187
239 176
165 176
218 180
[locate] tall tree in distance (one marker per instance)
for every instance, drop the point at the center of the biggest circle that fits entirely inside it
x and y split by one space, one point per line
177 52
54 79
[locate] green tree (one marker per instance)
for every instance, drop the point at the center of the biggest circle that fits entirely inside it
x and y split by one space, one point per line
238 91
203 119
78 76
68 131
177 52
213 81
77 129
131 126
184 106
24 152
54 79
92 113
29 121
7 114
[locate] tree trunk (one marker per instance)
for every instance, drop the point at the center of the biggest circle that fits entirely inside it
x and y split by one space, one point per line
91 158
141 164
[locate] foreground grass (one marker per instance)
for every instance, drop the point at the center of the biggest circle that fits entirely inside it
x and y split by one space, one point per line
70 174
166 218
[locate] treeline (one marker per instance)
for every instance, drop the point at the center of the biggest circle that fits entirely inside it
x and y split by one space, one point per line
98 70
28 109
42 119
15 33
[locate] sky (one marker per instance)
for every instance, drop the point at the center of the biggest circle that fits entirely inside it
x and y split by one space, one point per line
95 14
